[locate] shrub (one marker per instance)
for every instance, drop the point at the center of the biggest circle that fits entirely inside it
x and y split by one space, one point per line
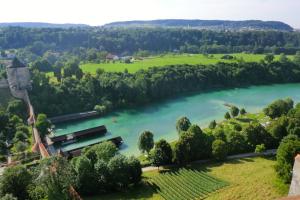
260 148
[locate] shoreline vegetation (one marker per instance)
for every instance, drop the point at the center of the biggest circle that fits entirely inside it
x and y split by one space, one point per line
107 91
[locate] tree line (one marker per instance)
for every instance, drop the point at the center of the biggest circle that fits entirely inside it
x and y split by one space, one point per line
84 43
77 92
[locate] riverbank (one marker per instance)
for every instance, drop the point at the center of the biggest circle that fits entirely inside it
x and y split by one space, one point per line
201 109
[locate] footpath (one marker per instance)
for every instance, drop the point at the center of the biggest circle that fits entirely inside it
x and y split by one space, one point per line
238 156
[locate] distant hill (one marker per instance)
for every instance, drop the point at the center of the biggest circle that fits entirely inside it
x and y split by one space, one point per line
40 25
207 24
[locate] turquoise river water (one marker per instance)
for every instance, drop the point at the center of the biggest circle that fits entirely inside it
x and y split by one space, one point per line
160 118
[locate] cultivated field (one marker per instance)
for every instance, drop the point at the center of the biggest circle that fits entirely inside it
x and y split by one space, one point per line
254 179
168 59
185 184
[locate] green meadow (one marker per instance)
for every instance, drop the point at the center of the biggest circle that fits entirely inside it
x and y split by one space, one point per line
168 59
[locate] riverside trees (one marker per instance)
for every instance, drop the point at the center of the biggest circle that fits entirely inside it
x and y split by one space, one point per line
124 89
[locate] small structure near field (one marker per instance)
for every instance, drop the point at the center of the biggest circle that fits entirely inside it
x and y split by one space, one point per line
71 144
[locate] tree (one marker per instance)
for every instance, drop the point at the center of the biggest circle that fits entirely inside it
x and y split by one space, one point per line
199 142
135 170
283 58
256 134
219 134
212 124
42 65
57 176
183 124
236 143
104 151
234 111
3 120
15 180
102 175
243 111
297 58
119 171
162 154
20 146
289 147
86 179
43 124
278 128
227 116
17 107
182 150
219 150
278 108
146 141
269 58
8 197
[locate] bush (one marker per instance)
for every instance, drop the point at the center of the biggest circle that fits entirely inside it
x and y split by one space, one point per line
260 148
101 109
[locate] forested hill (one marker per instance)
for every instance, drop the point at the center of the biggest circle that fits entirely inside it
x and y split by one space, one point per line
207 24
40 25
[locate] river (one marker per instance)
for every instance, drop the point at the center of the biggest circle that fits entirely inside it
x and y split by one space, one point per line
160 118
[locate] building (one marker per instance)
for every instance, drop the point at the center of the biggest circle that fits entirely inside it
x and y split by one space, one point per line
71 144
112 57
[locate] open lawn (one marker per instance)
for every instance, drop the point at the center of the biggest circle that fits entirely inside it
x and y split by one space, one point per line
168 59
249 178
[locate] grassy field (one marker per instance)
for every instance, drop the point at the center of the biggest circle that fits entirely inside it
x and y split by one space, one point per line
168 59
251 178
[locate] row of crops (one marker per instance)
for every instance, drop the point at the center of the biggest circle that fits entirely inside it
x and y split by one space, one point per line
186 184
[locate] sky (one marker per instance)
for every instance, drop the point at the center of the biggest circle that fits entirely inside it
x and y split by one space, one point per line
99 12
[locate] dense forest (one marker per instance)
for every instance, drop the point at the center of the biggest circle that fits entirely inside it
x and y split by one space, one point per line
207 24
32 43
75 92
